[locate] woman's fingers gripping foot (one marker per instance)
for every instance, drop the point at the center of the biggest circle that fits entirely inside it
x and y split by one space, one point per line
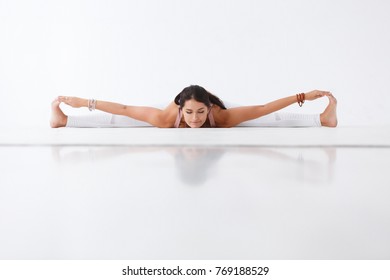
314 94
72 101
64 99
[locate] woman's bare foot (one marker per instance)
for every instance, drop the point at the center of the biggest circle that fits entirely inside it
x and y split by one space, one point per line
58 118
329 116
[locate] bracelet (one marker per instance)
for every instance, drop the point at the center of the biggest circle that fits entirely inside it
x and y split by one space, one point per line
91 104
301 99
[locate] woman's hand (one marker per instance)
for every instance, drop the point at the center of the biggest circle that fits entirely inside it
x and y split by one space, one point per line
72 101
314 94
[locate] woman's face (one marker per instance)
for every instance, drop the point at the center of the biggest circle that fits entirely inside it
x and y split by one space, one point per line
195 113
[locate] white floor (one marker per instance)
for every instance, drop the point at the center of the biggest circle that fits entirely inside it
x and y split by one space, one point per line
324 199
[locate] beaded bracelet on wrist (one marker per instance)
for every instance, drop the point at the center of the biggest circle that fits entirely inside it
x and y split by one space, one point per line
300 99
91 104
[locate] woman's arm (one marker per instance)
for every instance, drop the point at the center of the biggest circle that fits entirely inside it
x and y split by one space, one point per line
234 116
154 116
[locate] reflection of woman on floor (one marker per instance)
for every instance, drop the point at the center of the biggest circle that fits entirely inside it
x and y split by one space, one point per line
195 107
195 165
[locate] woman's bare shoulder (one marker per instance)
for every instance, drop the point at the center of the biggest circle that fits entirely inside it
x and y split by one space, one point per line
220 115
169 114
172 107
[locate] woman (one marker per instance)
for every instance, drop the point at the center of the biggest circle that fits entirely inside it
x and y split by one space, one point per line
195 107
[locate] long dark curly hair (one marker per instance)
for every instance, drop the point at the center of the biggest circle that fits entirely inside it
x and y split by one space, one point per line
199 94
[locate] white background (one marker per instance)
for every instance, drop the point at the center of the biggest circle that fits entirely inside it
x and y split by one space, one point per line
144 52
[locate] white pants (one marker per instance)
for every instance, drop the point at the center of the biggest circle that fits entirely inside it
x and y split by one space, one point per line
282 119
103 120
278 119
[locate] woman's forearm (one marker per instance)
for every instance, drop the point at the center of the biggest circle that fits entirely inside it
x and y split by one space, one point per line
110 107
141 113
278 104
234 116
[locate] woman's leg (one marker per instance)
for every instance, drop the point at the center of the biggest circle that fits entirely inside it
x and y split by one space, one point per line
103 120
281 119
59 119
